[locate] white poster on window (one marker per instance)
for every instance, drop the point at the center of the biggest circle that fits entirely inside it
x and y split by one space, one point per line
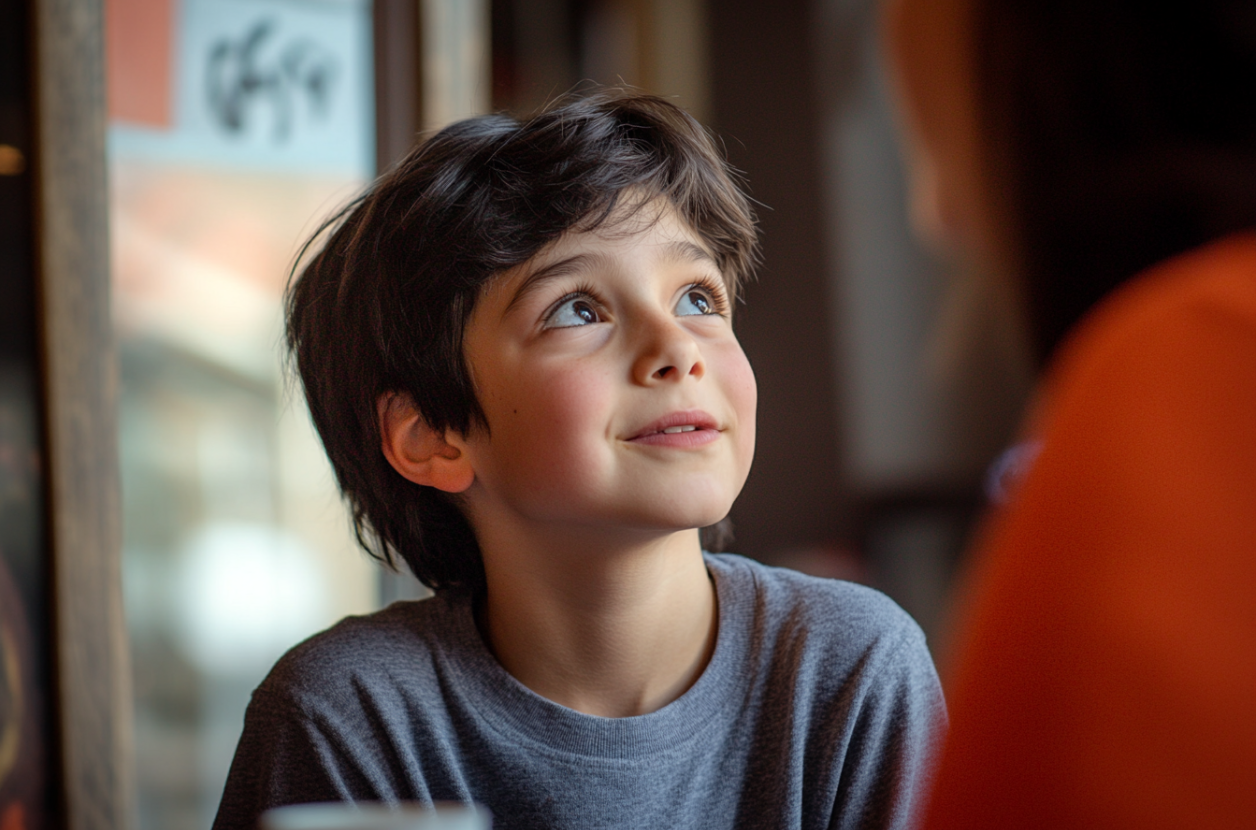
276 85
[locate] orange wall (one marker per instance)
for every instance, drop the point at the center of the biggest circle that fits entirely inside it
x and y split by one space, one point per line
139 58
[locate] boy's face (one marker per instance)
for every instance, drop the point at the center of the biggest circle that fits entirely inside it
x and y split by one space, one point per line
616 394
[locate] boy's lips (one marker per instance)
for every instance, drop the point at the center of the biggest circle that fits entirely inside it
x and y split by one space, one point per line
688 428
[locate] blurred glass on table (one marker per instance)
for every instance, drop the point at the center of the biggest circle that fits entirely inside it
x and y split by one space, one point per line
376 817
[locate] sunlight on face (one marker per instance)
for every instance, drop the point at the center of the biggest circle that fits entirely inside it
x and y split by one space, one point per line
617 396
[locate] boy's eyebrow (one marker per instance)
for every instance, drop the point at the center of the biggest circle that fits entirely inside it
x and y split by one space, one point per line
689 252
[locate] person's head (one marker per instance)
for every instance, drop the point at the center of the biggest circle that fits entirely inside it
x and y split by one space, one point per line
1074 143
438 267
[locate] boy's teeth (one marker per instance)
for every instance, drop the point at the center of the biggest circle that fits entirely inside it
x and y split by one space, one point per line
674 430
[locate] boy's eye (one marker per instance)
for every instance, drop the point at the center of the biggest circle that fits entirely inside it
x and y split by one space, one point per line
574 311
696 301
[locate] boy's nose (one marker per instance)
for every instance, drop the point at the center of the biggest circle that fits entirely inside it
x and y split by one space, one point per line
668 355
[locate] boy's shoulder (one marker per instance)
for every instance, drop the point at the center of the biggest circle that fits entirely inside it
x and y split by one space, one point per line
841 664
394 647
831 619
830 604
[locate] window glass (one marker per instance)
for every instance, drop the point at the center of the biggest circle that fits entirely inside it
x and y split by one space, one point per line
235 126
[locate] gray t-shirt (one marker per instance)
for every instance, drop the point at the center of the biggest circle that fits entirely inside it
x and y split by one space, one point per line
820 708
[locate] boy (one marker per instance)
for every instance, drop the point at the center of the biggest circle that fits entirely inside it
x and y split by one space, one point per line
517 348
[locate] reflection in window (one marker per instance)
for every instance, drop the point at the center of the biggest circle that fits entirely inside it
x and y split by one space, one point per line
236 125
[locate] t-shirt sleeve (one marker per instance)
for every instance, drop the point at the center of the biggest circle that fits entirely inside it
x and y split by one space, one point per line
897 729
283 758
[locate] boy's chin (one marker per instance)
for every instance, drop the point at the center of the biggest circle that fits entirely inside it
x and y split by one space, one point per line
700 521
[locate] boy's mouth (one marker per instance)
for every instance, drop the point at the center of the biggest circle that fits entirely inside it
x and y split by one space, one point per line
686 428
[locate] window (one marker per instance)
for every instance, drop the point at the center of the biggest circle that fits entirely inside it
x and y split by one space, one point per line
235 126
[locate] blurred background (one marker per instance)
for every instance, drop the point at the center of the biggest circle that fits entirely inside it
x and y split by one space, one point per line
889 380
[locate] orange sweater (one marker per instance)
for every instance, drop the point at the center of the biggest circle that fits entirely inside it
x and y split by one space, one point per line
1106 669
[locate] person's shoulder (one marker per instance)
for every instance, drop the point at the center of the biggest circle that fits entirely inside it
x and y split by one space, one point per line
1217 277
836 614
1188 306
360 652
1161 355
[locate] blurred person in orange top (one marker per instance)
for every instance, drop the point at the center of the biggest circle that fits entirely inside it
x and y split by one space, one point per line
1102 156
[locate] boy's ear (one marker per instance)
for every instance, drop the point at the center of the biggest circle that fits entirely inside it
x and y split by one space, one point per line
417 451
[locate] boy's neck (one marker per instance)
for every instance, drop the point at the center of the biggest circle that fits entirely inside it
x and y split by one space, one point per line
611 632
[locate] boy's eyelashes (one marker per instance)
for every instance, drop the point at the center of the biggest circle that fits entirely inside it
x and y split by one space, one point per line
704 297
582 306
575 309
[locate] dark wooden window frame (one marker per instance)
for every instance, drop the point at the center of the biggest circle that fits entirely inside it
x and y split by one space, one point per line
398 78
91 669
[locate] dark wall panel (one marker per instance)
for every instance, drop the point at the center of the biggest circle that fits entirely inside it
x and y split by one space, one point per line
764 107
25 639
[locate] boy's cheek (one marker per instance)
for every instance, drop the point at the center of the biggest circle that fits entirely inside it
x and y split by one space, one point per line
743 393
738 379
547 421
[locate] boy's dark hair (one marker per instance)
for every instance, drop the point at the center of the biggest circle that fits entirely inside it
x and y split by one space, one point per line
1122 133
382 307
